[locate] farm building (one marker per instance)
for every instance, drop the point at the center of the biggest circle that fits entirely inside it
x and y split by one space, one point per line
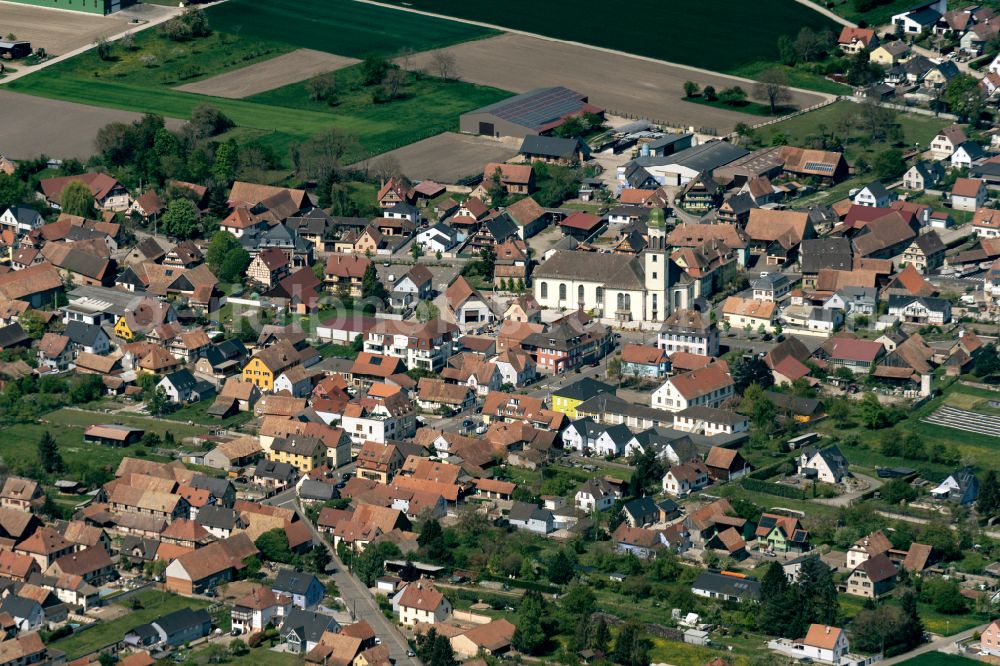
534 112
113 434
88 6
15 48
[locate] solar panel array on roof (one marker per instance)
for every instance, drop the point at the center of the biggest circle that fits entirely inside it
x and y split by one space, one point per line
538 107
819 166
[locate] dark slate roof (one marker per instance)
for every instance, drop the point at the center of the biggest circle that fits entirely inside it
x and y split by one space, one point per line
82 333
274 470
18 606
898 301
523 512
728 585
182 620
585 389
216 516
501 227
182 379
537 108
12 335
218 487
642 508
293 582
798 405
317 490
551 146
309 626
817 254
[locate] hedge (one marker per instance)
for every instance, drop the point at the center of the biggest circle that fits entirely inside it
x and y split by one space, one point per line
772 488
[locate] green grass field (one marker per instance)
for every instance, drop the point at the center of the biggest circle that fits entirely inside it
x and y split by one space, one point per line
344 27
277 118
720 36
939 659
155 603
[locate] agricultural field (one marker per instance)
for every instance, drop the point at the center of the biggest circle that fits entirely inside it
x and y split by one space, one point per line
143 79
343 27
731 34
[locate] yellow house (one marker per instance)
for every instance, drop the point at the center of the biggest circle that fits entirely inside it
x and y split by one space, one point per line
565 400
889 54
146 316
123 330
302 453
266 366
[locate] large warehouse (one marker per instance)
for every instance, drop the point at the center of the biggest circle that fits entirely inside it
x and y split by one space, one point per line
535 112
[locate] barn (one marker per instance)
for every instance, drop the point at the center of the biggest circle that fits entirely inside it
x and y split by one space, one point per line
535 112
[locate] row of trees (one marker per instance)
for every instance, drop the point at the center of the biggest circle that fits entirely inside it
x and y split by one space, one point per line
787 609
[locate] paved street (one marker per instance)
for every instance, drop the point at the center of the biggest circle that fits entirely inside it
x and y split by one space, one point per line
356 596
946 644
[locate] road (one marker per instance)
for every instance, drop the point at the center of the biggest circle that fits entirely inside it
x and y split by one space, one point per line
944 644
847 498
356 596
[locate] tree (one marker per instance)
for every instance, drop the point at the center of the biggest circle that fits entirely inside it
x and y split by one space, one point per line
747 371
709 93
443 64
234 265
48 455
988 501
238 648
433 649
76 199
816 593
273 546
13 191
416 250
319 559
889 164
392 83
733 96
371 563
181 218
777 603
371 285
373 69
432 542
631 649
220 245
561 568
772 85
786 51
871 412
322 154
987 361
648 473
323 88
529 635
965 98
207 120
898 490
944 595
690 88
33 324
487 263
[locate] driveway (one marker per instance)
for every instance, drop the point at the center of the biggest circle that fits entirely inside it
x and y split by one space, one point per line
845 499
946 644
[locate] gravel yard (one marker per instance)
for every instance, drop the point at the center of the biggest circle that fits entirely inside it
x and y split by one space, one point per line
447 157
57 31
293 67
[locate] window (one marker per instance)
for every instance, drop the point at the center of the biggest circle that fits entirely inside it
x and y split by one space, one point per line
562 292
600 295
544 290
579 293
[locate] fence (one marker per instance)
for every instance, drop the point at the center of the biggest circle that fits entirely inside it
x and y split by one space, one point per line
666 124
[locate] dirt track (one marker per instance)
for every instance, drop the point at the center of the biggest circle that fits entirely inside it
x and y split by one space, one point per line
69 129
298 65
57 31
616 82
447 157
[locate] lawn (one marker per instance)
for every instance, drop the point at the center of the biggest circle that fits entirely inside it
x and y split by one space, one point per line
934 622
719 36
155 603
429 106
343 27
797 78
875 17
198 413
939 659
797 130
685 654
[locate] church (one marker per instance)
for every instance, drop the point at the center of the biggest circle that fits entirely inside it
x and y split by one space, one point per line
616 287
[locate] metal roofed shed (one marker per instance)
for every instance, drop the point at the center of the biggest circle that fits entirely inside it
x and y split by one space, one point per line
534 112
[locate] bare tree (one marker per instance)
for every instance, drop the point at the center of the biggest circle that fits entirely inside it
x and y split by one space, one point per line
772 85
405 59
386 168
393 81
323 153
444 65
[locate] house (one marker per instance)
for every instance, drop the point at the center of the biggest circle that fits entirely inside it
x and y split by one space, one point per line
596 495
535 112
725 586
966 155
781 534
726 464
21 219
26 614
55 352
172 630
439 238
823 644
770 287
471 310
709 386
856 355
204 568
530 517
436 394
420 602
493 638
827 465
685 478
946 141
528 216
749 314
641 512
378 462
413 286
181 386
961 486
344 274
923 175
873 195
305 590
856 40
581 225
107 192
889 54
873 577
925 253
920 309
968 194
710 421
258 609
643 361
689 331
510 178
645 543
302 630
567 398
